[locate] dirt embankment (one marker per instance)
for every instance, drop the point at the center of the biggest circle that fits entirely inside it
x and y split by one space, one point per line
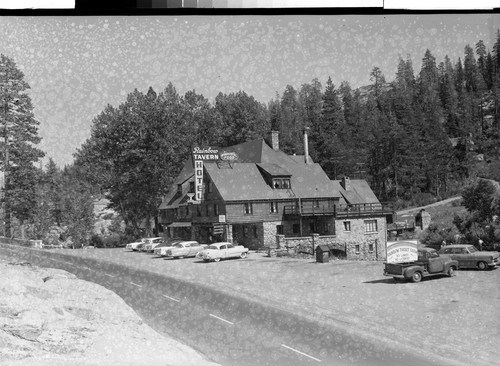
48 317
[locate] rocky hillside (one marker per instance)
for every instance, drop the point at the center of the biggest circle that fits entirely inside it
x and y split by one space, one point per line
48 317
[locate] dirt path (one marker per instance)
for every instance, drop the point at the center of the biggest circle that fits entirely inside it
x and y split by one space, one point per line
439 203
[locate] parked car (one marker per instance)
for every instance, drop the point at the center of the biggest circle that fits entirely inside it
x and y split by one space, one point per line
151 244
185 249
217 251
428 263
162 248
133 246
469 257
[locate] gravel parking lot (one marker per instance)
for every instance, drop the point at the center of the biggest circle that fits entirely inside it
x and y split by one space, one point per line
456 318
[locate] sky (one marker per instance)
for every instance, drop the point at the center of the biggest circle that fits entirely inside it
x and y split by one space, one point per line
76 65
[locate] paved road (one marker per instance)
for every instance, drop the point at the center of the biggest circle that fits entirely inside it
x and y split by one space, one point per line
230 330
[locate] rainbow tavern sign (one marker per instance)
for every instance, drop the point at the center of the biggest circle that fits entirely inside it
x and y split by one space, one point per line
201 154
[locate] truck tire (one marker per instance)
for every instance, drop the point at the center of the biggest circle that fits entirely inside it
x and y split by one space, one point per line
416 277
451 271
483 266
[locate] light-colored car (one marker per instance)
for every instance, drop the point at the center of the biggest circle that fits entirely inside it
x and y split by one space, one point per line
217 251
161 249
185 249
133 246
151 243
469 257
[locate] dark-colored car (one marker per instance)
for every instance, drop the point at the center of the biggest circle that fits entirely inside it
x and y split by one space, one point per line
469 257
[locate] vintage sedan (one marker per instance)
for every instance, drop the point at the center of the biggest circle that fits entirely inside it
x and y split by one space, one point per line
133 246
469 257
151 244
217 251
162 248
185 249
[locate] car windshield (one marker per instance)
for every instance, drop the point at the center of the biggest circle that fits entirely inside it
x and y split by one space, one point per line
472 249
212 247
178 245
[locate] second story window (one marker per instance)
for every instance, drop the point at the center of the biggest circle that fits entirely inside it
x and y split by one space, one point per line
207 208
247 208
347 226
273 207
198 210
216 209
371 226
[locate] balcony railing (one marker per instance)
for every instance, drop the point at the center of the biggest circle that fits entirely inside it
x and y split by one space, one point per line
340 211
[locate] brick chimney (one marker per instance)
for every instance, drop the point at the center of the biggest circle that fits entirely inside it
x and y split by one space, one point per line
346 183
275 140
306 146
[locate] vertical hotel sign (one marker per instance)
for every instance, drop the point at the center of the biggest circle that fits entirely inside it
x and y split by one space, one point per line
201 154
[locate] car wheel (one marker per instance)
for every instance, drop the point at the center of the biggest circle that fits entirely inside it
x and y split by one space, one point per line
416 277
217 259
243 255
451 271
482 266
206 260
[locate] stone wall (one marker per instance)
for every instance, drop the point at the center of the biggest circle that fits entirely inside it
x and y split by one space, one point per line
352 241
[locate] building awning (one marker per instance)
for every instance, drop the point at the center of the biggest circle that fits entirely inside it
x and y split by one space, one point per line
180 224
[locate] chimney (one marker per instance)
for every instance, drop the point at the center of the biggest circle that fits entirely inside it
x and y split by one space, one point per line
306 146
346 183
275 141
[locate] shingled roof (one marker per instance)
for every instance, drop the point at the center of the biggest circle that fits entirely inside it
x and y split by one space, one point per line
359 192
244 181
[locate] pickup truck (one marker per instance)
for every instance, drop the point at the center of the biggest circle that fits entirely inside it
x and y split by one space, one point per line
428 263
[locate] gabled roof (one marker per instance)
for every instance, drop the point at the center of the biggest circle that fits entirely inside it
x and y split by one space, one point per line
359 192
244 181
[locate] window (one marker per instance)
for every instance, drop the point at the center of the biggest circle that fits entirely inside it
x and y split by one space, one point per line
281 183
248 209
198 210
191 187
370 247
209 186
347 226
273 207
371 226
312 227
255 232
216 209
207 210
279 229
316 203
245 231
357 248
179 188
296 228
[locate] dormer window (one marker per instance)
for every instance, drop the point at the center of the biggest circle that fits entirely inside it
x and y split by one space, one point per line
281 183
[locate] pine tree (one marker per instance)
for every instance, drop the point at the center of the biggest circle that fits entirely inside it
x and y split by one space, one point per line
20 135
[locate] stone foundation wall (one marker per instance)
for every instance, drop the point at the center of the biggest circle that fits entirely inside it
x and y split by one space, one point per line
355 243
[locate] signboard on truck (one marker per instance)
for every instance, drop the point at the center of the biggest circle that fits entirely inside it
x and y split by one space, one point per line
402 251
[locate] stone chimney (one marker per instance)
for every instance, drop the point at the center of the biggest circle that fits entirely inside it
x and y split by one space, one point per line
275 140
306 146
346 183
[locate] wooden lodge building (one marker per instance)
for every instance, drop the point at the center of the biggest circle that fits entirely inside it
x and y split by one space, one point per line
264 198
